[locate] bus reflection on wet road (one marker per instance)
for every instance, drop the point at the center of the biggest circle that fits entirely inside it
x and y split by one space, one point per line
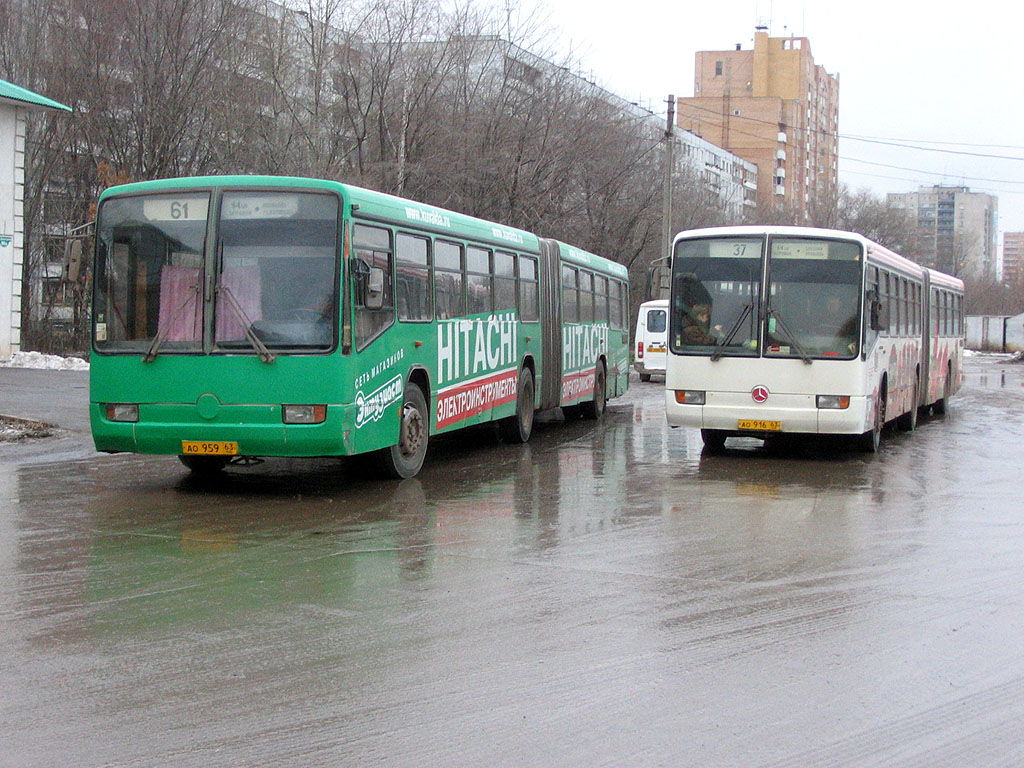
602 595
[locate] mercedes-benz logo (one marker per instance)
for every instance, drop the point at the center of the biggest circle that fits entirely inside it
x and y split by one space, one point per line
759 394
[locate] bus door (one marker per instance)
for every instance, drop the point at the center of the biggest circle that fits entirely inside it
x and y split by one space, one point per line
550 384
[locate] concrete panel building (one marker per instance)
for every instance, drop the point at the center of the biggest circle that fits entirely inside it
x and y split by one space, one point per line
1013 257
15 105
776 108
957 230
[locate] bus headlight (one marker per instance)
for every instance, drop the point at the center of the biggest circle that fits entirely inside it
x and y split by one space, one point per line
304 414
690 396
834 402
122 412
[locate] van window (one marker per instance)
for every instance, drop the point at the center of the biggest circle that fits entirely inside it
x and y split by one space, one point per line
657 320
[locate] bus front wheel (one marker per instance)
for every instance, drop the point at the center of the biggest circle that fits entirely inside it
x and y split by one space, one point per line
518 428
406 457
872 439
204 466
714 440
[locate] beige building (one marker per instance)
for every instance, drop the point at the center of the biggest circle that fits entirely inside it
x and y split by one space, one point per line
957 230
776 108
1013 257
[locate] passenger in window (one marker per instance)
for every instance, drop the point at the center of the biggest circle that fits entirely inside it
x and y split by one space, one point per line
695 326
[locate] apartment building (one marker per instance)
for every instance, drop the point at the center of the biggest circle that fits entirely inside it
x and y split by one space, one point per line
774 107
957 230
1013 257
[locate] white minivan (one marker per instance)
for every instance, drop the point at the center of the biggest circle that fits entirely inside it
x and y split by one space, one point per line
651 338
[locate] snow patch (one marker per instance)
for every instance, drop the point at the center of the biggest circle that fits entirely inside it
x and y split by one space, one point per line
45 362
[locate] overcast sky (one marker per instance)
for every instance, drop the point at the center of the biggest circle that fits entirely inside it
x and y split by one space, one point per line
937 75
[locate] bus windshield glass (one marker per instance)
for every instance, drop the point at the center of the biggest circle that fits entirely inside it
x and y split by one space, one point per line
277 271
149 266
716 296
813 298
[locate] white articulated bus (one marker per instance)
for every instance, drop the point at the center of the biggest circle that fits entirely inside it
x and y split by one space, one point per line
776 330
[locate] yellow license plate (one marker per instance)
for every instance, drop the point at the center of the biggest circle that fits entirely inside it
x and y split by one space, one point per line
655 349
208 448
759 426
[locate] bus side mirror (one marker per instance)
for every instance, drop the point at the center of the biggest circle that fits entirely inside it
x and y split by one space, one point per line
375 288
659 281
72 261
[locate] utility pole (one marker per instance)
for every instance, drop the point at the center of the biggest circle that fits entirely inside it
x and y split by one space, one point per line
666 227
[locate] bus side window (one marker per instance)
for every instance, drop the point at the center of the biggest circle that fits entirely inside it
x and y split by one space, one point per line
504 281
413 289
449 280
570 296
478 280
586 297
373 293
601 299
615 305
529 295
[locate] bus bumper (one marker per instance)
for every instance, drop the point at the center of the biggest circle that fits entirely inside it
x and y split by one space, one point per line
789 413
257 429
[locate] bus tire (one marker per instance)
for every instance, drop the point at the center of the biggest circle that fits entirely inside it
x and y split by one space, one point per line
594 409
204 466
645 377
714 440
519 428
405 458
908 421
871 440
942 404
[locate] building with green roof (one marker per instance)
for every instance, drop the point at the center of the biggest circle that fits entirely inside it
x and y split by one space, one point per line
15 105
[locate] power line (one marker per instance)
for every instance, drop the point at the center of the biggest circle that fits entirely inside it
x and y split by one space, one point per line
932 173
934 149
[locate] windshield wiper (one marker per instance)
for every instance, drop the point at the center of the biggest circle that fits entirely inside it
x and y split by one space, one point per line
772 312
261 349
161 336
720 347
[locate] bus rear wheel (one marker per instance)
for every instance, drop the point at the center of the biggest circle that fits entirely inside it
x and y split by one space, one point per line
942 404
406 457
594 409
519 428
908 420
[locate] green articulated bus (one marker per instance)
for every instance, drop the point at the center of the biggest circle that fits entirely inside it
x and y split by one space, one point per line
238 317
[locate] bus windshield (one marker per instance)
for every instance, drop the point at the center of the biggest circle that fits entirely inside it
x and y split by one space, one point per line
813 298
716 296
274 273
277 270
150 257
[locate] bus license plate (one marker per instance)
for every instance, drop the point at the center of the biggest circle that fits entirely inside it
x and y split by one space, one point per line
206 448
655 349
760 426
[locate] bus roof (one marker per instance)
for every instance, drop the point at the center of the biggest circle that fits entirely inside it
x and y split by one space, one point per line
873 249
592 260
368 204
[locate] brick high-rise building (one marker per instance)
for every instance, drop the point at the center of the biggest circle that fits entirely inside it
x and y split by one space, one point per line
776 108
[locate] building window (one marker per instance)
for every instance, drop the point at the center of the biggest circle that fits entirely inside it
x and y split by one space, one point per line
718 69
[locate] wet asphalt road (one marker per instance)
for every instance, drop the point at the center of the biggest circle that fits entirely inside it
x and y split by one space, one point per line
602 596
